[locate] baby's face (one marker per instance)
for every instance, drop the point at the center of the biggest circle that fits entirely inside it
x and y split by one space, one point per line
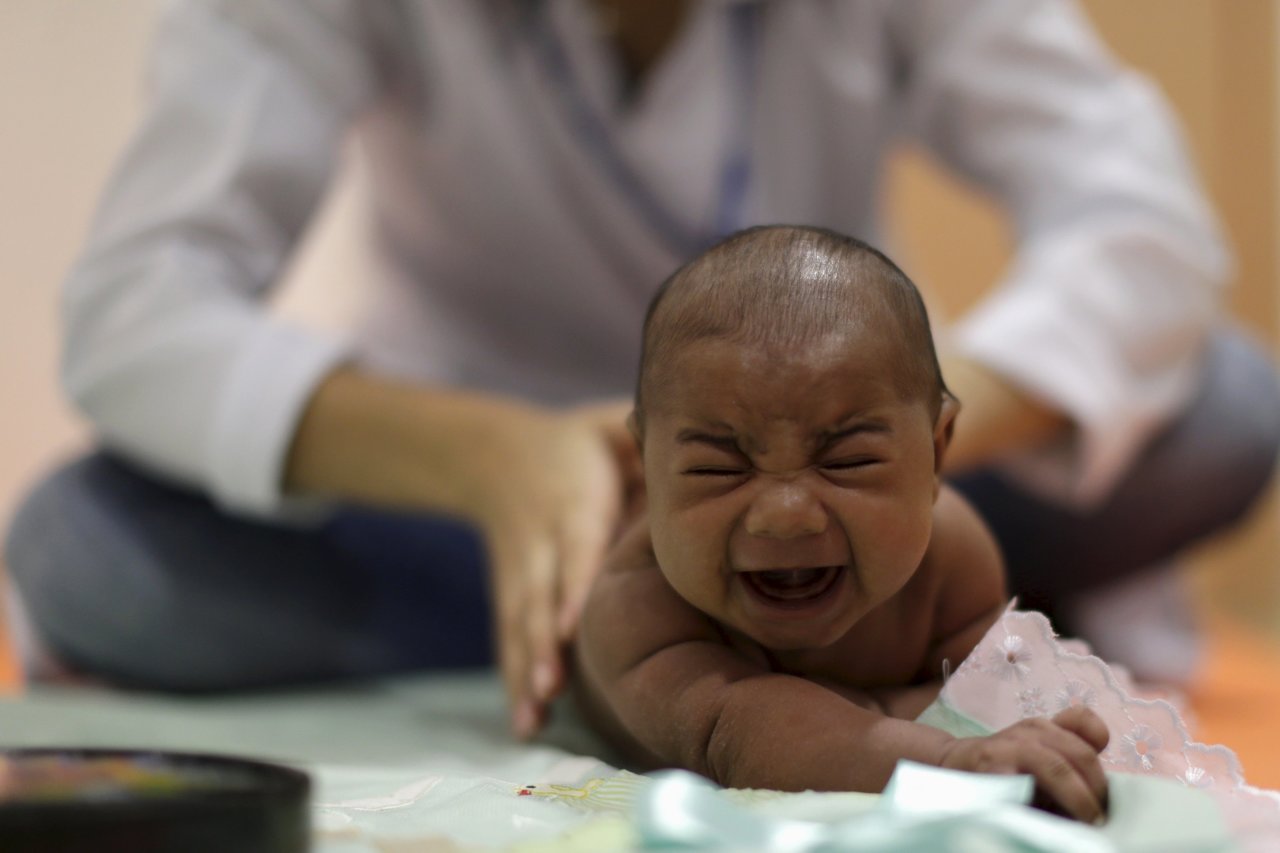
789 496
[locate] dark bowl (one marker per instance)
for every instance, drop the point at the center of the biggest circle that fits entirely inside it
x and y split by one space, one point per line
63 800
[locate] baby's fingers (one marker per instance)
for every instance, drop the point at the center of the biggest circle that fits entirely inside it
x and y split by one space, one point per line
1077 791
1065 765
1087 725
1084 735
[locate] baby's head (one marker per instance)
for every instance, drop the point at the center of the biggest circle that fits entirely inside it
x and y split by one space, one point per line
792 417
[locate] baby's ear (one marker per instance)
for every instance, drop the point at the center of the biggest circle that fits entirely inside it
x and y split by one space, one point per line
636 429
943 428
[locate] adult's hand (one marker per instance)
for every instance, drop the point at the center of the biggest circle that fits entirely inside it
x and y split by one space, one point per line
611 419
546 489
549 499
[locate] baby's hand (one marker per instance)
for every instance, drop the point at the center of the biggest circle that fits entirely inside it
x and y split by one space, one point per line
1062 755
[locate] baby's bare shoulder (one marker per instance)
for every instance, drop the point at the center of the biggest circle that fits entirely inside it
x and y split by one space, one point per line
961 542
960 545
639 646
968 585
633 612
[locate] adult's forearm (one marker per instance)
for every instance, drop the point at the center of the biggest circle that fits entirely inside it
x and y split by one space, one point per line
394 444
996 418
543 488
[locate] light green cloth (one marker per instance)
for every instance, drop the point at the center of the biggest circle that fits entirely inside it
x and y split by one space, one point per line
405 758
402 762
941 715
1146 813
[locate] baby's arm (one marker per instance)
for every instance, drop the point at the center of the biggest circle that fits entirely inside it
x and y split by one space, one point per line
1061 753
660 677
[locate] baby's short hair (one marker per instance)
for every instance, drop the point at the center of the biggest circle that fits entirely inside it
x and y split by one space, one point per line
783 286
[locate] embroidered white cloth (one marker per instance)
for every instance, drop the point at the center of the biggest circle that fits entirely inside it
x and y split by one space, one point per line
1021 669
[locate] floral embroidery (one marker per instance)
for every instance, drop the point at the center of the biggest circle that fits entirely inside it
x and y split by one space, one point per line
997 685
1141 743
1010 658
1076 694
1196 777
1031 702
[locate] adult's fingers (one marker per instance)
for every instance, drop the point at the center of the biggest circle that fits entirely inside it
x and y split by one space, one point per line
541 604
523 568
513 657
588 515
583 543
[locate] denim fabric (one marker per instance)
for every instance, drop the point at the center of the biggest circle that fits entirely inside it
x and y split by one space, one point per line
152 586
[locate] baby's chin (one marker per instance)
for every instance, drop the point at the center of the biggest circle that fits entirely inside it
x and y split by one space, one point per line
791 642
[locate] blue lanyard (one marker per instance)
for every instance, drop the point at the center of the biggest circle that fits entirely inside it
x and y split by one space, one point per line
686 239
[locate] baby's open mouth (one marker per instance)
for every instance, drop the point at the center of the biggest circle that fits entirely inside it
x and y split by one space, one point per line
788 586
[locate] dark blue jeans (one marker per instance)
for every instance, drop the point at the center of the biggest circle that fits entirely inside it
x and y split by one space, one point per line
151 586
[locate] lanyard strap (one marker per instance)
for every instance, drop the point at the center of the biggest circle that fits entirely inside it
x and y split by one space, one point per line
593 133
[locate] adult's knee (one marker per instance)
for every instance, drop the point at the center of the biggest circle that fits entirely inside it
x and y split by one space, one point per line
152 586
81 583
1197 477
1237 419
56 545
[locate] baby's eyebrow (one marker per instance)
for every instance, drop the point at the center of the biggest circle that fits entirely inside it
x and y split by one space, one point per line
875 426
693 435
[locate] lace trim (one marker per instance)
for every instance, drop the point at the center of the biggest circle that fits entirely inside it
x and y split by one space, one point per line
1020 669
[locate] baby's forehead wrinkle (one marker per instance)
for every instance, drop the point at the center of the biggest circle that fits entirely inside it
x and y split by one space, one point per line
757 438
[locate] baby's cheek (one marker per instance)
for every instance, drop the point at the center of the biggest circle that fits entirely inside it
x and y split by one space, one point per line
672 545
894 530
687 556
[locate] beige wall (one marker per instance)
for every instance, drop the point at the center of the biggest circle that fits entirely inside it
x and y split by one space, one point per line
1217 63
69 88
71 72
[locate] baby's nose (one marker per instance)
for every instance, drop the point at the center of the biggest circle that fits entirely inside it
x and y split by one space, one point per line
786 510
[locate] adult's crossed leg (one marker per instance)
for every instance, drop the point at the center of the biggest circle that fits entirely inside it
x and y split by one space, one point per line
148 585
1199 475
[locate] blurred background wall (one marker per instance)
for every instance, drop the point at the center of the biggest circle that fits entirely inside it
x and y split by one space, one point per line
71 88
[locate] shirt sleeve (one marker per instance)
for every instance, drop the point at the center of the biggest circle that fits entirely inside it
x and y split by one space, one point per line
169 348
1104 310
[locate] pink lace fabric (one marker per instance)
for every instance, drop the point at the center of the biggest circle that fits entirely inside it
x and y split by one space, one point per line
1020 669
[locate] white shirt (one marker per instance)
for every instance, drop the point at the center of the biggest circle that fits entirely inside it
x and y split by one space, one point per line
522 263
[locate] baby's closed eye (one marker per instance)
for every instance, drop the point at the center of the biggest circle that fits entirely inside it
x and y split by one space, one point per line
716 471
851 463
